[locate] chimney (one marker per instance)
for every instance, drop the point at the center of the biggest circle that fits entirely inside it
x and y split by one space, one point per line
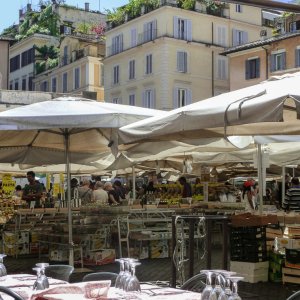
28 7
87 6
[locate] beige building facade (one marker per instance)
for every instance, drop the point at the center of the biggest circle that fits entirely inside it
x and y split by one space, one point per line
258 61
4 66
22 61
80 68
170 57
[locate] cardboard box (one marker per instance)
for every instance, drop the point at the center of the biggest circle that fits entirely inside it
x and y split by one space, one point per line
23 249
247 219
58 255
100 257
252 272
159 249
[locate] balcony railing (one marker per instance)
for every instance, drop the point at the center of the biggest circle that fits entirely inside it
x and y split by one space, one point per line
222 11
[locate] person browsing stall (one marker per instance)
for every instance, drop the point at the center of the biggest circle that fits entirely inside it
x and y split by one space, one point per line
99 195
113 197
187 189
32 191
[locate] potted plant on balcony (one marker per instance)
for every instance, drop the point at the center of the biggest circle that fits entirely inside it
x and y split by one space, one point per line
213 7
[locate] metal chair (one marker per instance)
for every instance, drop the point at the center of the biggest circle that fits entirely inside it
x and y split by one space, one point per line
295 296
61 272
195 283
101 276
10 293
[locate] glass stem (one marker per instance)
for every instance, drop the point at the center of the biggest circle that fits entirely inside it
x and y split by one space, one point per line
208 279
235 288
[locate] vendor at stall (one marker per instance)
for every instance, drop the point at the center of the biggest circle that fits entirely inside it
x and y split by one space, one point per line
32 191
187 189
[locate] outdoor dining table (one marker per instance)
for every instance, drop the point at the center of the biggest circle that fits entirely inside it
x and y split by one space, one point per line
61 290
22 284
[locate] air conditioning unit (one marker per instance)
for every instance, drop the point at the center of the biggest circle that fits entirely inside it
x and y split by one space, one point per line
263 32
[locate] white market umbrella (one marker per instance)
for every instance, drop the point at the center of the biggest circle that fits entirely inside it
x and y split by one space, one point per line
72 125
269 108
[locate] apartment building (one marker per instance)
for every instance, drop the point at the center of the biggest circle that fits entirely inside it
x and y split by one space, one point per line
22 60
170 57
258 61
80 68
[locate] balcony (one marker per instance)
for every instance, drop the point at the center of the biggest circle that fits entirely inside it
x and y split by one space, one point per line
122 15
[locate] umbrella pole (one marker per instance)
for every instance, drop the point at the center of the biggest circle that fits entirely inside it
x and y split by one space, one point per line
260 177
133 183
71 249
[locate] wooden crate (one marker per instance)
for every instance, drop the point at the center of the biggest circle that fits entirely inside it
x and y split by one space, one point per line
290 275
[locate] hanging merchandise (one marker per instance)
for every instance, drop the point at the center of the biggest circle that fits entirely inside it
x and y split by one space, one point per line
157 168
8 185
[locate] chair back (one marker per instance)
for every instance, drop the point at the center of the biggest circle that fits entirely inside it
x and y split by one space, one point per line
295 296
10 293
61 272
195 283
101 276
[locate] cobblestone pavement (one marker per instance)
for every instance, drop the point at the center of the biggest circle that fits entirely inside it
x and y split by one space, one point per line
160 270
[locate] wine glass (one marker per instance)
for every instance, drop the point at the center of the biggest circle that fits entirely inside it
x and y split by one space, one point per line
121 273
3 271
208 288
217 290
41 282
132 283
234 295
226 292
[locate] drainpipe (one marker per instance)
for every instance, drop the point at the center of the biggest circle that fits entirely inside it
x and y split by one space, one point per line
212 62
8 67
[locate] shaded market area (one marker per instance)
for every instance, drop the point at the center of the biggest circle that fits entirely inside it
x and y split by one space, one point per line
173 207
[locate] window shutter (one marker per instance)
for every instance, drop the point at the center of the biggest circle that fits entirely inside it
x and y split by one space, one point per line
296 57
257 75
133 37
175 28
175 98
245 37
144 99
179 61
153 99
121 42
189 30
283 60
154 29
272 61
234 37
185 62
188 96
247 68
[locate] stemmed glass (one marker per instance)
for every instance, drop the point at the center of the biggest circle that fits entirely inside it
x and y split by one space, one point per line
121 273
217 290
132 283
208 288
3 271
234 295
41 282
226 292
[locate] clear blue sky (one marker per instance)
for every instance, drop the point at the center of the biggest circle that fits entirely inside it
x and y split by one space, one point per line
9 12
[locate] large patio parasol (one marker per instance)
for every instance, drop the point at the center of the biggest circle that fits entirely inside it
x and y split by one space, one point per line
76 126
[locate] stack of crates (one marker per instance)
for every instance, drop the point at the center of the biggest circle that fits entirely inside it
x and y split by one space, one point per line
248 244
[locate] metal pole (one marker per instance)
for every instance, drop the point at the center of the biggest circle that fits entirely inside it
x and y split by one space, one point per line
71 249
133 183
260 177
283 185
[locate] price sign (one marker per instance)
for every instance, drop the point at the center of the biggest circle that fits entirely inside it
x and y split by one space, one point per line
8 185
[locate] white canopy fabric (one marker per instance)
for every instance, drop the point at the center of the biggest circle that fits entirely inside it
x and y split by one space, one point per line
269 108
67 124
